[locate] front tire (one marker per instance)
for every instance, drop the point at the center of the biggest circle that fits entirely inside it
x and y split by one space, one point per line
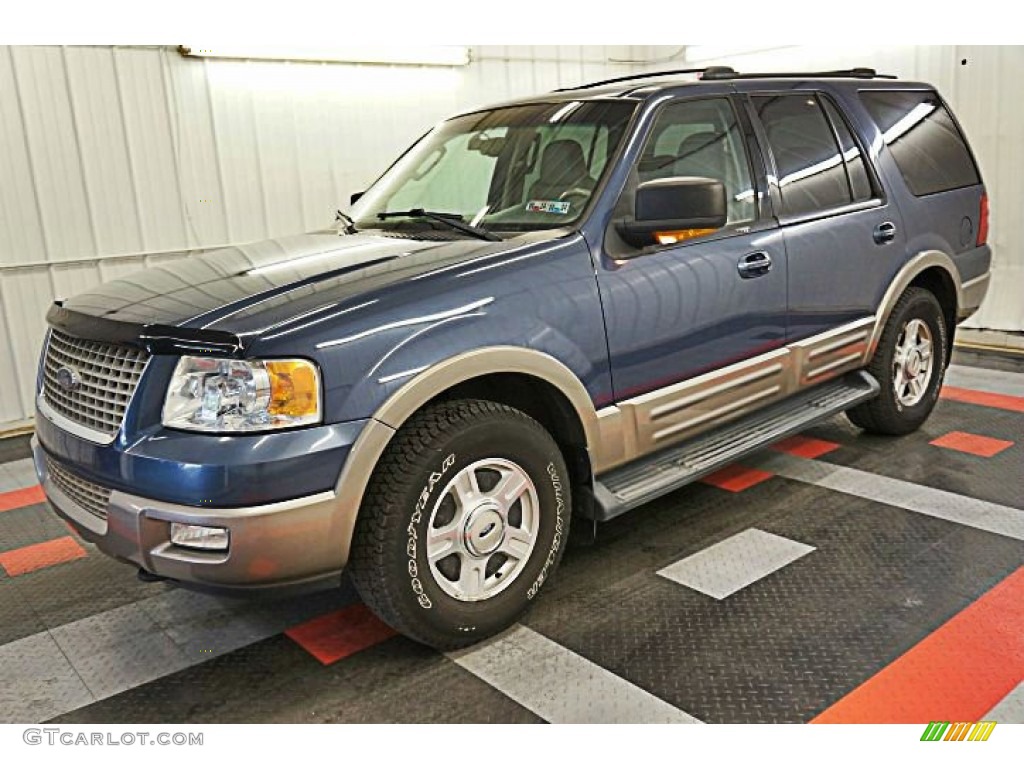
909 363
464 520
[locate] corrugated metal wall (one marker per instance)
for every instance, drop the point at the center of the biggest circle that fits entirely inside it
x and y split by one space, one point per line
985 92
107 153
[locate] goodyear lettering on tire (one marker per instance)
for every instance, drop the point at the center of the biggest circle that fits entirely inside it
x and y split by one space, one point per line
549 562
412 542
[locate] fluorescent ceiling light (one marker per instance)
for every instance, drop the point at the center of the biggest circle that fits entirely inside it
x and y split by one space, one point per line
436 55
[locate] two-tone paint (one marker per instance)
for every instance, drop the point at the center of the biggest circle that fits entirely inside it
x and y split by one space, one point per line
646 351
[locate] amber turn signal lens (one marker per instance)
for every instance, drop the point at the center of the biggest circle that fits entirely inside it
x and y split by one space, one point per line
667 238
293 388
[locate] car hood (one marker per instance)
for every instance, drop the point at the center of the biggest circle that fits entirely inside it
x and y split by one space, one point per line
244 288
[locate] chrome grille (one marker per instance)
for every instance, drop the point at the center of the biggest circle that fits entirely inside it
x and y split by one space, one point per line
108 374
89 496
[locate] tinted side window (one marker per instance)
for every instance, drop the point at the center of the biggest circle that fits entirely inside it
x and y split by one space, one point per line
812 176
702 138
856 167
929 150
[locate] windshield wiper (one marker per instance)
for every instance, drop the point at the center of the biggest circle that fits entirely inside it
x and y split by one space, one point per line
349 227
452 220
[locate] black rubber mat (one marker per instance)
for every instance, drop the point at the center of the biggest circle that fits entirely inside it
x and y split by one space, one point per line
14 448
789 645
275 681
996 361
999 479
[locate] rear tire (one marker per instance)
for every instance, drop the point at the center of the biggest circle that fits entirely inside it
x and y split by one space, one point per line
464 520
909 363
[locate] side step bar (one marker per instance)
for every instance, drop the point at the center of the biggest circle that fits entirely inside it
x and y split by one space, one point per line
624 488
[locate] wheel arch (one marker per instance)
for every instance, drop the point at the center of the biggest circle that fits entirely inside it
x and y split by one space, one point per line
532 381
932 270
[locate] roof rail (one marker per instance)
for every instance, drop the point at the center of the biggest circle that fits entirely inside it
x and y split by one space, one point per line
728 73
724 73
703 71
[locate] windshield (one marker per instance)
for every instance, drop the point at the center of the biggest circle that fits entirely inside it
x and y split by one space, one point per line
511 169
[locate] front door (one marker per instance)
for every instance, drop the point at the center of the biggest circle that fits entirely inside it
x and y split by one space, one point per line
680 310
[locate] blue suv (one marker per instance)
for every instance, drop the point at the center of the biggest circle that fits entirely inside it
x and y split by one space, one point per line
561 307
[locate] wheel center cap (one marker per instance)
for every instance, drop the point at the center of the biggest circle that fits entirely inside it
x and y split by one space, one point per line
914 364
485 530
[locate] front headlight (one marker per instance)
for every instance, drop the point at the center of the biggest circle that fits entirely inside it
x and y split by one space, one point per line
209 394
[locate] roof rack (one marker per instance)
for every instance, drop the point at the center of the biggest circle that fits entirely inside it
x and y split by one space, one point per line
728 73
703 71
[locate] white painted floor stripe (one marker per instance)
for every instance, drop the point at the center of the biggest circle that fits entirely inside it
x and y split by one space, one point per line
1010 709
983 515
17 474
985 380
54 672
37 681
737 562
559 685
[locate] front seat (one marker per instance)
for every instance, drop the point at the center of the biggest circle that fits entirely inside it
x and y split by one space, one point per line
562 168
701 154
706 154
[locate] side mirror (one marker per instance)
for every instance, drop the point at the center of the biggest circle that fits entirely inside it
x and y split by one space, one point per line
673 206
354 197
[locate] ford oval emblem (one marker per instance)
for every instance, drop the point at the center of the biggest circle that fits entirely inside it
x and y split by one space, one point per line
68 378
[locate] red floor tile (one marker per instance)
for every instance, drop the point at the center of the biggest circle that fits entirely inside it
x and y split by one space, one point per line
805 447
32 558
737 478
334 636
990 399
979 445
22 497
956 674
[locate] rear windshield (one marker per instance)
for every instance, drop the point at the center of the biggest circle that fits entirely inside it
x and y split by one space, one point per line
929 149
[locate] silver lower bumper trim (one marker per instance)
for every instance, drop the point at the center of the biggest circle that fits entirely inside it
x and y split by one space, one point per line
271 545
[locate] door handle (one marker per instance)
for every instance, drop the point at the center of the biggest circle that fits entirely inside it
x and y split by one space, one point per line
884 233
754 265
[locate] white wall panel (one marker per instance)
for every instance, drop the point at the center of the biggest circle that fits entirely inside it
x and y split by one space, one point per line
146 112
41 89
25 294
21 228
192 130
103 148
994 119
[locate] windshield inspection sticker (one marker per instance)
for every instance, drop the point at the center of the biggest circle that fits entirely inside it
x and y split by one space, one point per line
548 206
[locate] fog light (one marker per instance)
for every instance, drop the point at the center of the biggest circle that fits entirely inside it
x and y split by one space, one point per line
200 537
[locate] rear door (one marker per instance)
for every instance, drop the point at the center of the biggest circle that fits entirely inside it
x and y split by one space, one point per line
942 203
844 238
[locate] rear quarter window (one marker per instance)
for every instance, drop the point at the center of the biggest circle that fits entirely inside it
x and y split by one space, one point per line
929 149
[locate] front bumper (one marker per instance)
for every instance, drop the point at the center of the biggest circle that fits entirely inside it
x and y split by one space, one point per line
287 543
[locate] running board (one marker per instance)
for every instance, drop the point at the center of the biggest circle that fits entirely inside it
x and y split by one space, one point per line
624 488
